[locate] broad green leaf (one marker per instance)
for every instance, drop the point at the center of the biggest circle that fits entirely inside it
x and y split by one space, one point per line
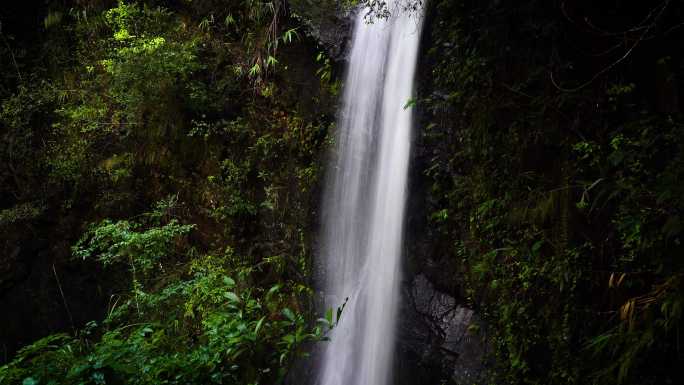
289 314
232 297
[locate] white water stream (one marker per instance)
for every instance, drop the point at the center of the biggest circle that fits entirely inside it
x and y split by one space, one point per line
365 200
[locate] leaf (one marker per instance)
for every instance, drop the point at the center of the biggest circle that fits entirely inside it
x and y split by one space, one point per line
536 247
289 338
229 281
329 316
340 309
626 310
258 325
232 297
271 292
287 36
255 70
599 180
271 61
600 342
289 314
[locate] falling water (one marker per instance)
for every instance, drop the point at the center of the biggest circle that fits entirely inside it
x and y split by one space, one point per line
365 199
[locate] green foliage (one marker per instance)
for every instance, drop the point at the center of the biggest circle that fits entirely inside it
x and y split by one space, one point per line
565 206
22 212
122 241
642 191
129 115
325 74
144 66
21 117
211 324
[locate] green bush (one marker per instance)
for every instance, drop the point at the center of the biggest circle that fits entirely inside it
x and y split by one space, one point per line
204 321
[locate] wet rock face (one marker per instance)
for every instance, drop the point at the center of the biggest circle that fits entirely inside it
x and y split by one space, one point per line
439 340
327 22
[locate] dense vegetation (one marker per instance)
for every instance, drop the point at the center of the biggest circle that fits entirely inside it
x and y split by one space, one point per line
160 167
552 163
165 152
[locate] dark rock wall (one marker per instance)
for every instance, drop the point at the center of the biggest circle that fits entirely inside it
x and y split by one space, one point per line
440 341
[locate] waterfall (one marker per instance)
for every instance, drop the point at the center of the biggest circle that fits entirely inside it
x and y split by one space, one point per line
365 197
